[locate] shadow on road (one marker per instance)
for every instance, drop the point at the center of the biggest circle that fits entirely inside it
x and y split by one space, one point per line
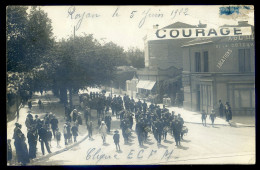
185 140
106 144
144 147
149 143
166 141
183 147
162 146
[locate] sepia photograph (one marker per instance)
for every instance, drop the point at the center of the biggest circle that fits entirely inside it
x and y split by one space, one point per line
130 85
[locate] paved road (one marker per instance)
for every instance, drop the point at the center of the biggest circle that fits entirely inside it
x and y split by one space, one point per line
203 145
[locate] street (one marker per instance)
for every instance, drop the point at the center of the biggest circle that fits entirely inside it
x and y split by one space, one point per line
202 145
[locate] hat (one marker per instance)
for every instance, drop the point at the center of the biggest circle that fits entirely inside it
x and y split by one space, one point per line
102 122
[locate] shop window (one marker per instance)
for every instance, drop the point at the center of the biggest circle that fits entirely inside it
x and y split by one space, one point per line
197 62
244 60
206 61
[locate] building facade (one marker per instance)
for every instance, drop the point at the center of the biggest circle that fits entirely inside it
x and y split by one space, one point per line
163 61
221 68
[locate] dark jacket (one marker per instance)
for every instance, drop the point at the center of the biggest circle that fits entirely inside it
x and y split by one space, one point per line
116 138
74 130
42 134
54 123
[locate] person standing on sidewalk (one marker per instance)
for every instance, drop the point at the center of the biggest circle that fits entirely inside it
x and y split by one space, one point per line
65 133
74 131
49 136
9 152
32 141
58 136
228 112
221 108
21 147
212 117
89 126
103 131
203 117
54 124
44 140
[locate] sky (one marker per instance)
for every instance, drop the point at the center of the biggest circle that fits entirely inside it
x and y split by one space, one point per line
127 25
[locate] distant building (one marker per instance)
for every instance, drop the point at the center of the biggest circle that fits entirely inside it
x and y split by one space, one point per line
123 73
164 63
220 68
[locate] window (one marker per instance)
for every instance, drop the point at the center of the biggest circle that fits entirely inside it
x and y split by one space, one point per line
244 60
244 98
206 61
197 62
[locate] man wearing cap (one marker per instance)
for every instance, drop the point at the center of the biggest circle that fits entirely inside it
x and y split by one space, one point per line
54 124
32 136
116 138
43 139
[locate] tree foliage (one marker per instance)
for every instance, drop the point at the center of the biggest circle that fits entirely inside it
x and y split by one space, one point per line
29 38
135 57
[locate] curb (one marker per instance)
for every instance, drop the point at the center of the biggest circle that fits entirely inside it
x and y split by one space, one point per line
57 152
233 124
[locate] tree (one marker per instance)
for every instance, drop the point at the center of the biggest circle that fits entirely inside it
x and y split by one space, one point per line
16 38
135 57
39 37
83 61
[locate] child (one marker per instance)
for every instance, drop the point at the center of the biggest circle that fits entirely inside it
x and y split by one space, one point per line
116 140
58 136
203 117
212 117
9 152
74 131
90 130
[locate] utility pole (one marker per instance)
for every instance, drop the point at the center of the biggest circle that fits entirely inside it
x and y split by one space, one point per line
70 88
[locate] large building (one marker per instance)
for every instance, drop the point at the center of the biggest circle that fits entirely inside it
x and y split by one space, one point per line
220 68
163 63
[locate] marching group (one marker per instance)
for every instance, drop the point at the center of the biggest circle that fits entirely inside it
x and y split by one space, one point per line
149 120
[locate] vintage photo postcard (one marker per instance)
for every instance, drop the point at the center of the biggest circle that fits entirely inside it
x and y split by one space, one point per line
130 85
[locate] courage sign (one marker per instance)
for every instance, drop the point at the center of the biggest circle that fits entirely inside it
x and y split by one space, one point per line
160 34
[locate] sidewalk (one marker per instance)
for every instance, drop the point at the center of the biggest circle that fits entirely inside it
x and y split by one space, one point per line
195 117
51 104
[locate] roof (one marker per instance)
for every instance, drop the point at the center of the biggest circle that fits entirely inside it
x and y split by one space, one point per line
180 25
145 84
203 40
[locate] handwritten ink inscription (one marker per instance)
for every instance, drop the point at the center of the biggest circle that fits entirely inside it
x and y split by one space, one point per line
96 154
79 17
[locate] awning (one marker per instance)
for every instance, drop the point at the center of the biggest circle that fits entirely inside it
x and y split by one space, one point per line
145 84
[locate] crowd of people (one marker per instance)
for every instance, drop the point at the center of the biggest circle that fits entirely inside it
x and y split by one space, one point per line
150 119
222 110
